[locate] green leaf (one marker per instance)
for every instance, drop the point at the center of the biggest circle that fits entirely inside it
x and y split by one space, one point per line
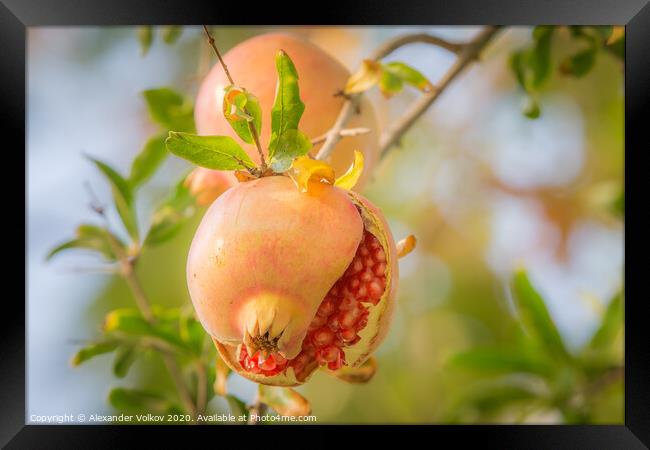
130 322
390 84
285 401
192 333
288 107
499 360
171 33
124 358
610 325
212 152
169 109
170 216
122 197
409 75
90 237
92 350
580 64
237 406
242 110
135 401
539 59
535 316
493 395
148 161
290 145
531 108
145 37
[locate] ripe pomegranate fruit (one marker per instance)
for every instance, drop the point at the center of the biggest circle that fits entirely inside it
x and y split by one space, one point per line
252 65
288 281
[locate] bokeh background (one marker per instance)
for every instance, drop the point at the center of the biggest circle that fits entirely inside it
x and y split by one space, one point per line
485 189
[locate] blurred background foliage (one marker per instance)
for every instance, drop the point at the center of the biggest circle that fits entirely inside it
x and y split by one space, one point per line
511 307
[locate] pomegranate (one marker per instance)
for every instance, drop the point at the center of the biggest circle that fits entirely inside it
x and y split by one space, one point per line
252 64
287 281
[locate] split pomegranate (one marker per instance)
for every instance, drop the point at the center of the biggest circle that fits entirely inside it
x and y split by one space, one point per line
287 282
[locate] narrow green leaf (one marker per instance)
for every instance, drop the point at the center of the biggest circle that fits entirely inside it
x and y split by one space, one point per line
242 109
288 107
580 64
493 395
535 316
171 33
499 360
390 84
148 161
212 152
170 216
129 322
409 75
610 325
169 109
540 56
285 401
92 350
192 333
137 401
90 237
237 406
124 358
290 145
122 197
145 37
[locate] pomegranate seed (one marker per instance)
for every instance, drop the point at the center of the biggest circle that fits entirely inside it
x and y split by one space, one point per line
326 308
361 323
317 322
334 323
379 255
322 336
375 290
349 302
336 364
328 354
363 291
268 365
380 269
363 251
348 318
367 275
368 261
347 334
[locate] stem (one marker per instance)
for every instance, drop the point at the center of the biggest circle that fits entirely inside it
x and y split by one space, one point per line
348 132
201 388
143 304
256 138
466 53
251 126
216 50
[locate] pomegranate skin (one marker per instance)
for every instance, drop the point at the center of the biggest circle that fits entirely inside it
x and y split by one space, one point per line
252 66
265 255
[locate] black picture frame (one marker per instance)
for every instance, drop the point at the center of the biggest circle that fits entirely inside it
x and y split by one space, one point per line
17 15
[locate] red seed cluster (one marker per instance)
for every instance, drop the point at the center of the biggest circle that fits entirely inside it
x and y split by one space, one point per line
340 317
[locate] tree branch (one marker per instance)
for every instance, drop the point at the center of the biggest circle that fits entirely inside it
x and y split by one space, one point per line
469 53
466 52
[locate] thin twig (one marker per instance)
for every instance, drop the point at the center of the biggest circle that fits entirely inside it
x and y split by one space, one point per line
348 132
201 387
216 50
251 125
466 53
469 53
393 44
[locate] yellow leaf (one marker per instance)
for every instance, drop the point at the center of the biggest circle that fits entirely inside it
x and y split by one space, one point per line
305 170
406 246
284 401
361 374
350 178
617 33
220 382
366 77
